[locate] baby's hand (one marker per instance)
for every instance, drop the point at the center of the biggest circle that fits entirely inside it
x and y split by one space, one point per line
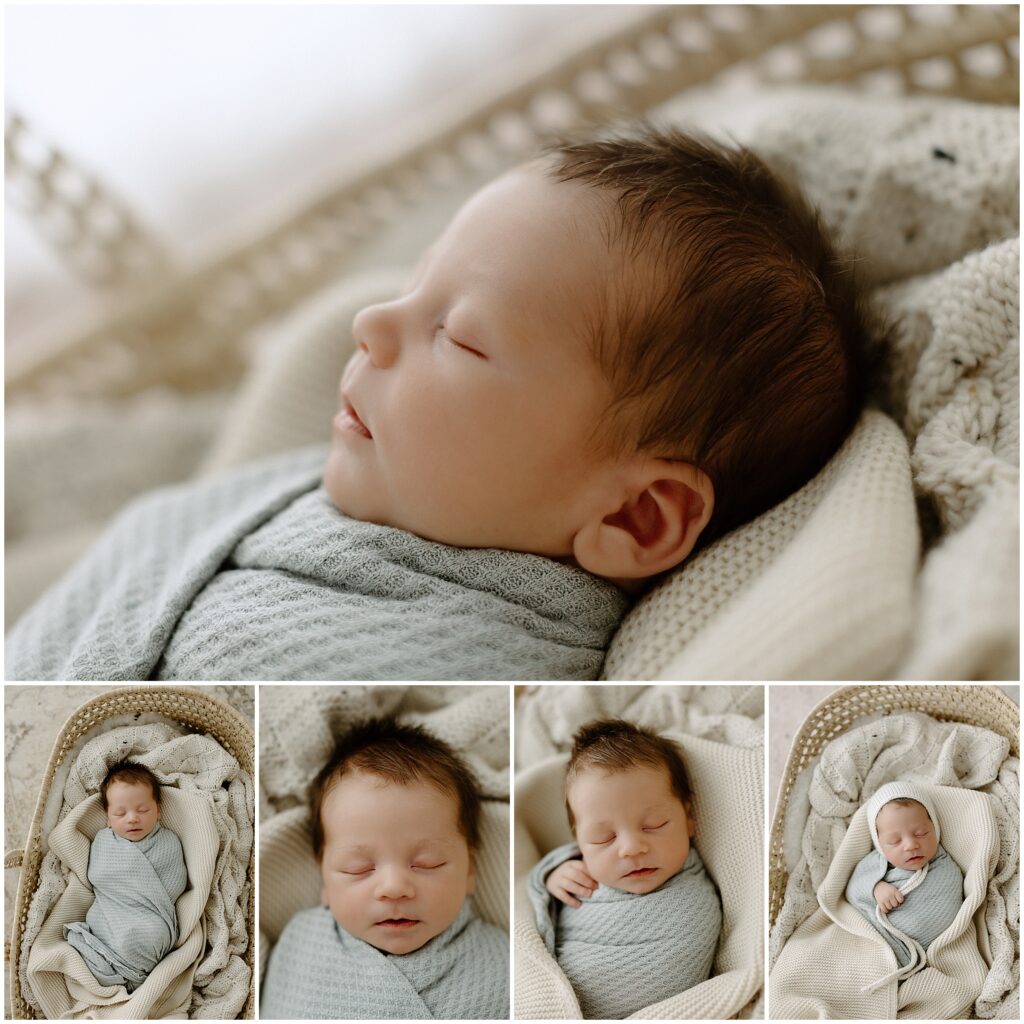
569 880
887 896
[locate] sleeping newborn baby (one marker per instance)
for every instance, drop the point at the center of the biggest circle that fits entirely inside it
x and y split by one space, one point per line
635 917
908 887
137 872
613 355
396 824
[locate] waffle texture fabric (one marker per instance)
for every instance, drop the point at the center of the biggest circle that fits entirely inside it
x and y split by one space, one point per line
728 787
132 923
258 576
298 729
910 746
208 802
926 911
804 983
318 971
620 950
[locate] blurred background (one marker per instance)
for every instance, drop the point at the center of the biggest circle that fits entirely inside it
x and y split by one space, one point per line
210 122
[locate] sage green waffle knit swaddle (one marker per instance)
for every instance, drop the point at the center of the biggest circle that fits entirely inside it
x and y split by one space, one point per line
318 971
256 575
132 923
622 951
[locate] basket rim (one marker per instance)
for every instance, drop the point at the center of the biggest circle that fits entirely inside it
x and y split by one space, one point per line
71 731
778 876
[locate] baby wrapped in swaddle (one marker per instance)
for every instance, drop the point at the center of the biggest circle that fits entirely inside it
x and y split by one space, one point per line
137 872
635 917
907 887
396 823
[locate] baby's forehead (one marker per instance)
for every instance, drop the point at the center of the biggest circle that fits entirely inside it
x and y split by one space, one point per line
127 788
654 779
903 808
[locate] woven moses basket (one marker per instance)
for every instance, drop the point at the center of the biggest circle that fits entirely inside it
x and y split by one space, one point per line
983 706
195 710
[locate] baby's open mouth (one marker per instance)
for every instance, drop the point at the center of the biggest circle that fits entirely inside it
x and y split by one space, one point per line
348 419
397 922
640 873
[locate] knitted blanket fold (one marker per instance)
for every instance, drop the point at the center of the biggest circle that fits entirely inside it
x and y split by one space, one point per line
256 575
622 951
805 983
926 911
132 923
318 971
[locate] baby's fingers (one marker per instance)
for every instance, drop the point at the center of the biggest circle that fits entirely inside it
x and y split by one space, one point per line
563 894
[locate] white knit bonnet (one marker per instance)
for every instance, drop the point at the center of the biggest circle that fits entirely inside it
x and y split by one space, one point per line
899 791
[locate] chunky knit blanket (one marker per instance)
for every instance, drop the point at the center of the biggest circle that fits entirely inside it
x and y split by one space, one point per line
318 971
724 758
132 923
257 576
926 911
208 803
622 951
914 747
804 982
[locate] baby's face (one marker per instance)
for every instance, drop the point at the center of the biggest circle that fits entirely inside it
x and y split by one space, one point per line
633 831
396 869
132 813
906 835
469 405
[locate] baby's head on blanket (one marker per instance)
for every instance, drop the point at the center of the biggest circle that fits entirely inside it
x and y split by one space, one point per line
629 804
396 821
904 825
130 795
614 354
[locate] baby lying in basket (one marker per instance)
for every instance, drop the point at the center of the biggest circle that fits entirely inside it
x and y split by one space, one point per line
613 355
396 821
908 887
642 918
137 872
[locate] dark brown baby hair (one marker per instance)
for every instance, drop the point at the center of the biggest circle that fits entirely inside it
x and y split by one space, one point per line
129 771
398 754
614 745
740 346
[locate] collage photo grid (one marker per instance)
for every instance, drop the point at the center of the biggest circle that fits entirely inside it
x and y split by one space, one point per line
499 852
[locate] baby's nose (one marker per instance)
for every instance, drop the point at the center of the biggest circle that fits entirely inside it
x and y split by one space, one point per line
376 332
632 845
393 885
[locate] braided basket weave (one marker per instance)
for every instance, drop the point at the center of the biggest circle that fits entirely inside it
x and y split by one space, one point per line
984 706
191 708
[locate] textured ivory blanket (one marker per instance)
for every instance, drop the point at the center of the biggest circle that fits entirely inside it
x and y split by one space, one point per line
298 726
722 776
319 971
250 576
917 748
132 924
61 979
622 951
805 982
925 913
195 773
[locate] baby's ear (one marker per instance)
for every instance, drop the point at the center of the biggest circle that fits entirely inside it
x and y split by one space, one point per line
661 507
471 877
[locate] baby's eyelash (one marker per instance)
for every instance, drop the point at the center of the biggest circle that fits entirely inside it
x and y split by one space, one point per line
365 871
654 828
458 344
430 867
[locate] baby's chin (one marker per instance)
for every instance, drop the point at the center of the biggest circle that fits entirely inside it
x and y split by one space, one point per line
402 942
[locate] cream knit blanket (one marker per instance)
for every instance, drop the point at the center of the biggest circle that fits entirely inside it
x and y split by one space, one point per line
723 776
298 726
805 982
915 747
193 768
